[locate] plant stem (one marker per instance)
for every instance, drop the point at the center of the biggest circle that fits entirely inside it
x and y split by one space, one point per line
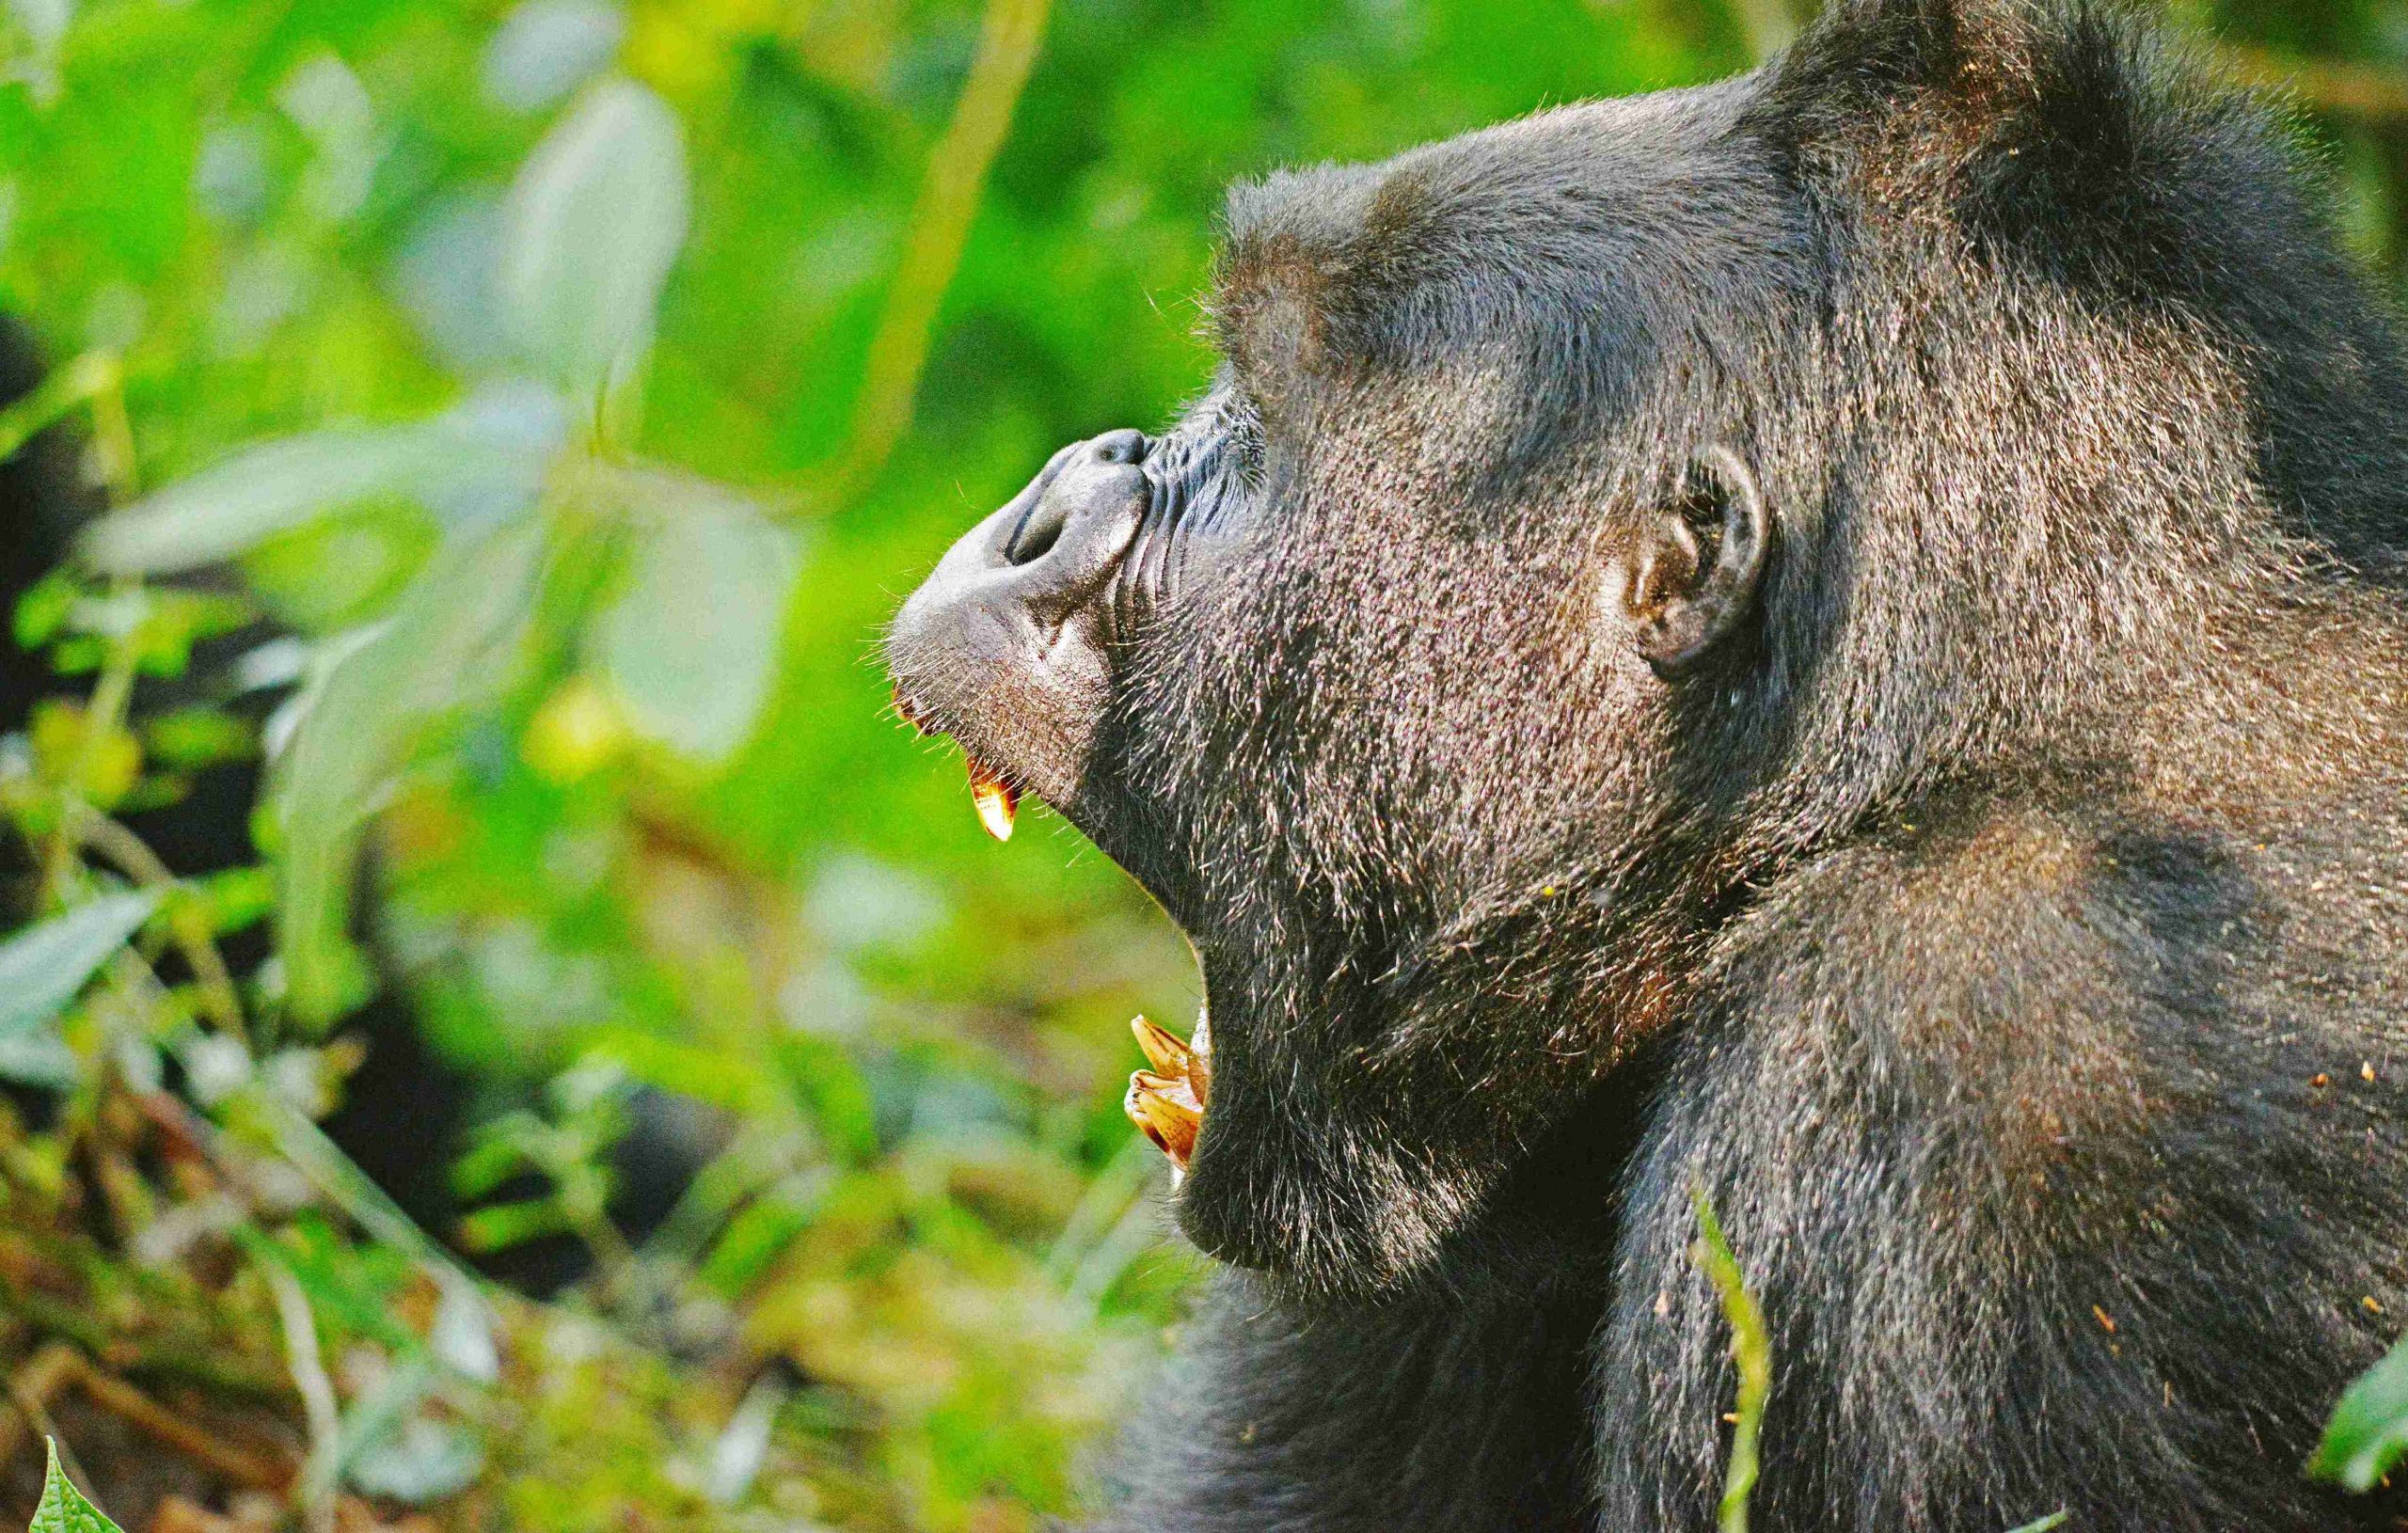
1008 44
1751 1352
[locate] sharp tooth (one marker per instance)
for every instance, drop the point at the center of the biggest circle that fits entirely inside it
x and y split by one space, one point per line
1172 1089
996 801
1165 1049
909 712
1171 1124
1133 1105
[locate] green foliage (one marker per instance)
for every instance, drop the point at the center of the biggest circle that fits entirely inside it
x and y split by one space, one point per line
576 382
1751 1354
2368 1434
42 967
63 1508
594 222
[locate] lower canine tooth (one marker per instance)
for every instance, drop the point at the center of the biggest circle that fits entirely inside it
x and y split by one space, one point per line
1170 1123
995 799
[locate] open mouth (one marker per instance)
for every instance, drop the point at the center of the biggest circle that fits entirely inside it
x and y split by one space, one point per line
1012 647
1165 1100
993 796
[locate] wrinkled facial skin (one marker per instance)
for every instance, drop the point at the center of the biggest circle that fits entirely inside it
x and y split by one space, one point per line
1345 668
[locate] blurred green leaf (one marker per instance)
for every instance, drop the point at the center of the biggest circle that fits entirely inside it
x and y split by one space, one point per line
497 1227
422 1461
42 612
278 485
351 1291
690 647
195 738
42 967
2368 1432
546 48
447 644
834 1092
62 1508
593 223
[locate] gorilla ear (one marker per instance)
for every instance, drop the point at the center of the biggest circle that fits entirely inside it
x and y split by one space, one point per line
1681 605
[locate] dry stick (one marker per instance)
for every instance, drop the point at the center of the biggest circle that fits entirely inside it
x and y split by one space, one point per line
31 1388
1007 43
186 1364
138 1410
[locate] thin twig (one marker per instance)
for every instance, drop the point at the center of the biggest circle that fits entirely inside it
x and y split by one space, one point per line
31 1389
167 1359
180 1433
1008 44
132 856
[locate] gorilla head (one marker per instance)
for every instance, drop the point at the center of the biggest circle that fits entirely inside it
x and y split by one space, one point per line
1597 518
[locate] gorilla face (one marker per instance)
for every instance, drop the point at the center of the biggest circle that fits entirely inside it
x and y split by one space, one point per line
1017 644
1370 669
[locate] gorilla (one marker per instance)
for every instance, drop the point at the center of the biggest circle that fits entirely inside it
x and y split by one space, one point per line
1836 640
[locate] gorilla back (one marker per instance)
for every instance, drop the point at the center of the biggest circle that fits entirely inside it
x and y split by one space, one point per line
1839 639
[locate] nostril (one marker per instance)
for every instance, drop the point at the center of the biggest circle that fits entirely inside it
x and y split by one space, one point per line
1040 529
1120 447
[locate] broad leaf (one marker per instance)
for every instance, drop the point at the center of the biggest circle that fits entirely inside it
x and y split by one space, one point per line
2368 1432
449 641
41 1058
491 450
545 49
592 225
42 967
690 648
63 1508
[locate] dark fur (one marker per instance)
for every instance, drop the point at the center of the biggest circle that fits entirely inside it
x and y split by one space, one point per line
1999 928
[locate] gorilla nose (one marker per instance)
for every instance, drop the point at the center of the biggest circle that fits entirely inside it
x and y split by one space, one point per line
1008 645
1076 477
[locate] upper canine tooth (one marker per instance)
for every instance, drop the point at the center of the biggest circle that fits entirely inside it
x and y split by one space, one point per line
995 799
1165 1049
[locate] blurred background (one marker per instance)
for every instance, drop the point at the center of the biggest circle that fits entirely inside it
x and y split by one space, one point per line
501 1025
